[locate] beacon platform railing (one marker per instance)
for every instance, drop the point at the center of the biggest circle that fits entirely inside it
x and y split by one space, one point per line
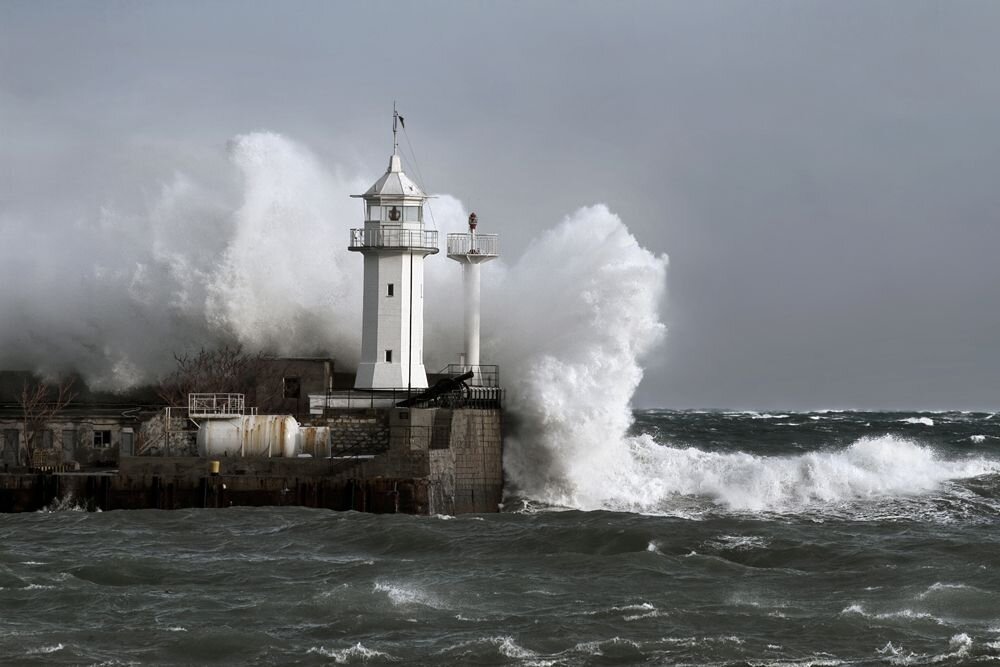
461 244
394 238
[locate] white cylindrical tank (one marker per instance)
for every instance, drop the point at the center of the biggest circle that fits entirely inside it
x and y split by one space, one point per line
314 441
250 435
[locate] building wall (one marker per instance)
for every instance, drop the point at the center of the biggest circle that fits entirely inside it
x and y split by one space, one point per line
163 436
68 441
357 431
283 385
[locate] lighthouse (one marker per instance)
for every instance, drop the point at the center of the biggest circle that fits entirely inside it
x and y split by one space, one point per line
394 244
472 250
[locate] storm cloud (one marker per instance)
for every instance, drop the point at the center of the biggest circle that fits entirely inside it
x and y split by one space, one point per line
823 175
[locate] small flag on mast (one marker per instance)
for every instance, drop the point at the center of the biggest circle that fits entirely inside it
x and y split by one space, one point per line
401 121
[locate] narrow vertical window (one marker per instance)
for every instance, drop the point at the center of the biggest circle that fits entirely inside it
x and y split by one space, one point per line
388 356
389 289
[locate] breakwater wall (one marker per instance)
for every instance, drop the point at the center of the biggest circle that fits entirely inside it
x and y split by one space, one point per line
419 461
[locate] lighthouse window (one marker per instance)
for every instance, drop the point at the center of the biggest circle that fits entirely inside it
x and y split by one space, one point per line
388 356
389 289
411 214
375 213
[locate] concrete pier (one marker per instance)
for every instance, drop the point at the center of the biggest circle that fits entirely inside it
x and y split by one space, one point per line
409 460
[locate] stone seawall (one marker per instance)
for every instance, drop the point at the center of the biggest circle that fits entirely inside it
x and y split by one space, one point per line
423 461
467 474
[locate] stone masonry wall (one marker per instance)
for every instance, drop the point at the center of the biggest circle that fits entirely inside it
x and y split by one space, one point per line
468 475
357 430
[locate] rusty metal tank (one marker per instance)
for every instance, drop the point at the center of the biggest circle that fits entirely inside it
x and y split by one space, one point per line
250 435
315 441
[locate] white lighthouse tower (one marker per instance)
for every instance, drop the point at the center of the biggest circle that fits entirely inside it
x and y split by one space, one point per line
472 250
394 244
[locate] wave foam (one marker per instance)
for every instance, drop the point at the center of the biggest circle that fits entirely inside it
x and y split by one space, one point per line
574 348
400 595
43 650
356 653
871 468
903 614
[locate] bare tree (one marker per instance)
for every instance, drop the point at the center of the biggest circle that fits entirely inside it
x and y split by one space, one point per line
227 369
39 404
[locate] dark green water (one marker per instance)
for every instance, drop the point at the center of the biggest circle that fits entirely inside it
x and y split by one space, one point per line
851 538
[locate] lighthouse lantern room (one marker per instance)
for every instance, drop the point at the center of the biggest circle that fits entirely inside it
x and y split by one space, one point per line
394 244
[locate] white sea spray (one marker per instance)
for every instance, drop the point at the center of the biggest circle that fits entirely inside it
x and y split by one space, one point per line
578 312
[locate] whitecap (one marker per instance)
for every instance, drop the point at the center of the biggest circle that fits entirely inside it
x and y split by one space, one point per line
939 587
402 595
45 649
871 468
595 648
510 649
474 619
907 614
352 653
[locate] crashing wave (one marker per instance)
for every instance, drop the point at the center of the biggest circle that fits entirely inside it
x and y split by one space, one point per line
871 468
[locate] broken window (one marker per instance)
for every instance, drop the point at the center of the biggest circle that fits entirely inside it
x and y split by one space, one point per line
292 387
102 437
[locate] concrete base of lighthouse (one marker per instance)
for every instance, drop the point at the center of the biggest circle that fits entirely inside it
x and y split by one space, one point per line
385 375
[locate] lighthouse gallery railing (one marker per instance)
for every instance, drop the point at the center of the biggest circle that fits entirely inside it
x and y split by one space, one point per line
393 238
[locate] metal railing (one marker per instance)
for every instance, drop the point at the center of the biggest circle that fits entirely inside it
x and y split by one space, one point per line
216 405
485 244
375 399
353 399
394 238
484 375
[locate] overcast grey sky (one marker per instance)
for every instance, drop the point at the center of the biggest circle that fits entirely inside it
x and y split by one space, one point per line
823 175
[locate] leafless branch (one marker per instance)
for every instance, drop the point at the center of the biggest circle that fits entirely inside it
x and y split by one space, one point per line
227 369
38 407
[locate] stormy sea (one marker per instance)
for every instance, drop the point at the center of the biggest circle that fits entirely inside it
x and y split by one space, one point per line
829 538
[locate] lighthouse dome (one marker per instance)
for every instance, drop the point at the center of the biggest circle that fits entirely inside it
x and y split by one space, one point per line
394 184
